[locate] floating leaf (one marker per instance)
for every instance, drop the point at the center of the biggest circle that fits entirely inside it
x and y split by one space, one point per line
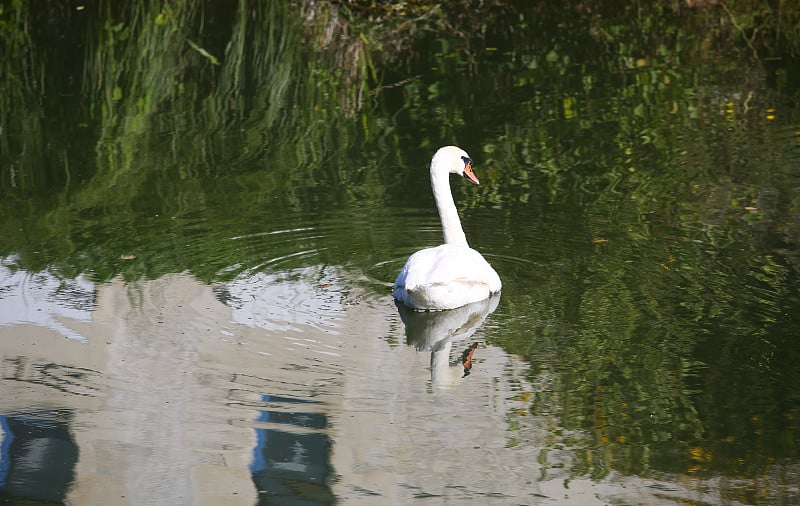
524 397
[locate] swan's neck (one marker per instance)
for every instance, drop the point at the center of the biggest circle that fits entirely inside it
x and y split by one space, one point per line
443 373
448 214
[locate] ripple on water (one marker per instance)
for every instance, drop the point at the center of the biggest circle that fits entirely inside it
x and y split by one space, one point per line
44 299
287 301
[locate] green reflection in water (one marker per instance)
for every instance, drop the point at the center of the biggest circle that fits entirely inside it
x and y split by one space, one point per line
170 141
638 193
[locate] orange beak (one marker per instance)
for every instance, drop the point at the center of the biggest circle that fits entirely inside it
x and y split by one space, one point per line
469 174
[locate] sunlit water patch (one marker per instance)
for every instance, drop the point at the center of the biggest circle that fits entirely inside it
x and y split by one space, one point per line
287 301
44 299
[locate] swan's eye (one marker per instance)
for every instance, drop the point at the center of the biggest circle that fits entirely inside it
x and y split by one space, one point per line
467 160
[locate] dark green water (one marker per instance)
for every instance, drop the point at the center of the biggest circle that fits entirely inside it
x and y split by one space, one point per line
638 197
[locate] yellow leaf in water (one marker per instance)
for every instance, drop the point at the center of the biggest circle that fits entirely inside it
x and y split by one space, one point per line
598 240
128 257
524 396
699 454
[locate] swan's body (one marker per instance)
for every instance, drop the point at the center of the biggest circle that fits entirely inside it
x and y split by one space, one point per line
453 274
445 277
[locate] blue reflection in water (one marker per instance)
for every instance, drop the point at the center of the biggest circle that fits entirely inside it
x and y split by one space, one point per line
6 436
37 457
289 467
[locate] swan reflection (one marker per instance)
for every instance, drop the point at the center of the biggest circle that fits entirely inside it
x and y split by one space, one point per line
437 331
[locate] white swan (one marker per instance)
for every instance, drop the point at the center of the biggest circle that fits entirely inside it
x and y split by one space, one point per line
453 274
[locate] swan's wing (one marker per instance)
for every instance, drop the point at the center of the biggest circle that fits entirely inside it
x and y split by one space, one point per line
445 277
448 264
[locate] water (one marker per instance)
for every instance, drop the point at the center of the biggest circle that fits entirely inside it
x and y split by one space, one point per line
197 260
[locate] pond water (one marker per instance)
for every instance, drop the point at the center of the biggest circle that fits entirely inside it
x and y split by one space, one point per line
196 265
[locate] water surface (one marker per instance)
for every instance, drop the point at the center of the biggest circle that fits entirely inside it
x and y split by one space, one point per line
197 260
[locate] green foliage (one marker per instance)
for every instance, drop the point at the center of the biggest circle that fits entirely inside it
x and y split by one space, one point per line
172 126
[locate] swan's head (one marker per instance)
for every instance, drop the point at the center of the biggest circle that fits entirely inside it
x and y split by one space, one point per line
454 160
